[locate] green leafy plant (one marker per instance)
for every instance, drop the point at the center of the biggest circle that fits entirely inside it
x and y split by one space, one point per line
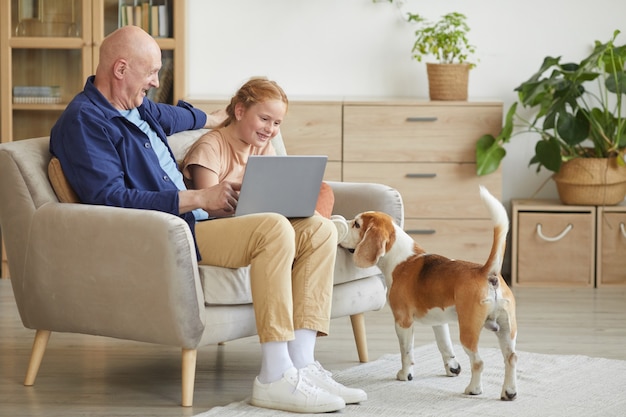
445 40
572 119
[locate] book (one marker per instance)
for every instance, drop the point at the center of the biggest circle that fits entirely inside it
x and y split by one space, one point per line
164 21
153 16
154 21
35 94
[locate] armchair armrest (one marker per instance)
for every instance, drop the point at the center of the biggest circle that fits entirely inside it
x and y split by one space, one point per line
352 198
115 272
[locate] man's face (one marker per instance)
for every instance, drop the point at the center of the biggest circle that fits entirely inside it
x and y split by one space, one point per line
141 75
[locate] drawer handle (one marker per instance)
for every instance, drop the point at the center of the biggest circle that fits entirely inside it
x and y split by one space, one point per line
555 238
416 175
422 119
621 227
421 231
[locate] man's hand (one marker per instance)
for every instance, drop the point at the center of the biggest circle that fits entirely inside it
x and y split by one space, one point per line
219 200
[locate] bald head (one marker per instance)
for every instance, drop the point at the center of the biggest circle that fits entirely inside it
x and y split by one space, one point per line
130 60
129 43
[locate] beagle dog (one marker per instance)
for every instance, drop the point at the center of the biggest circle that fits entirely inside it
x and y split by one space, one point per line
435 290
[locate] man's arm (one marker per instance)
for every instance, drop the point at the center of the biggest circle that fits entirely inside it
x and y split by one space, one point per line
214 119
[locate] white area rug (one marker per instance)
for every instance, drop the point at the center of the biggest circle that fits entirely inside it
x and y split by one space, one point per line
548 385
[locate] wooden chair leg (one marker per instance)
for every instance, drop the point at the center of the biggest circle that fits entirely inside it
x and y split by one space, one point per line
360 337
39 348
189 375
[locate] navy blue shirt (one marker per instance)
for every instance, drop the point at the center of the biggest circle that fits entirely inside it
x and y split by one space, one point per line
109 161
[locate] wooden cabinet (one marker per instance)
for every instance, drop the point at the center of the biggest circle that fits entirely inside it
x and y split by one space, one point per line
426 150
50 47
562 245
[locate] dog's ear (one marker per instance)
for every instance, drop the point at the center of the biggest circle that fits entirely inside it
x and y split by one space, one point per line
370 248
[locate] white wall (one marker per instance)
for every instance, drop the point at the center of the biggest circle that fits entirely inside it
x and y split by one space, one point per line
357 48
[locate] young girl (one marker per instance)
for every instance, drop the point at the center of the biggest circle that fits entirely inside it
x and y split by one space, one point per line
253 118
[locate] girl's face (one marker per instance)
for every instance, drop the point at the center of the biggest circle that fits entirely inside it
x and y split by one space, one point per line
260 122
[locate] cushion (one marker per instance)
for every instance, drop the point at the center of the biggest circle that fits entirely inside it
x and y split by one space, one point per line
325 200
64 191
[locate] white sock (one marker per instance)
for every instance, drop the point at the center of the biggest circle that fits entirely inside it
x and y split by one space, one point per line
275 361
302 348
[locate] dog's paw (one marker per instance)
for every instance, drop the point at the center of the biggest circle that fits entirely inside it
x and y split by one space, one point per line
473 390
342 227
403 375
508 396
453 368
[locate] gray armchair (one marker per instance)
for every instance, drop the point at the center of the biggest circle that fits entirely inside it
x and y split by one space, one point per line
132 274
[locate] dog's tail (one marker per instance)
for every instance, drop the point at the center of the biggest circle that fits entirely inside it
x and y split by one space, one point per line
493 266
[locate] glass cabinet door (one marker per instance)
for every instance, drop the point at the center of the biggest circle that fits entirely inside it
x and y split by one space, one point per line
47 18
49 55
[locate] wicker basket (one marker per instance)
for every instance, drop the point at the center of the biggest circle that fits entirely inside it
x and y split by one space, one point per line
591 181
448 81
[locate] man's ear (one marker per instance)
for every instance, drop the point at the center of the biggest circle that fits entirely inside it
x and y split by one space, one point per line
370 248
119 68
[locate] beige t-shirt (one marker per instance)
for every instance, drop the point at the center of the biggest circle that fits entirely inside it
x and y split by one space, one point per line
223 154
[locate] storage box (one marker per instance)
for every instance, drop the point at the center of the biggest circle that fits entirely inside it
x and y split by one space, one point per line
553 245
611 246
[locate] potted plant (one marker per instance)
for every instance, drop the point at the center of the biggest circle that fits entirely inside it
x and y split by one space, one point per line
578 111
446 41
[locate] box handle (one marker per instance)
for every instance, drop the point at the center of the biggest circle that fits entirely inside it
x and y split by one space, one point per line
621 227
557 237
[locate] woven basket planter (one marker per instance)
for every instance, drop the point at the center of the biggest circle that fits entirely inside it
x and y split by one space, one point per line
591 181
448 81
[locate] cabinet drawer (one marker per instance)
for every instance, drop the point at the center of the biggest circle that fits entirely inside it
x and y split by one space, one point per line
430 190
333 171
426 133
469 240
555 249
313 129
611 268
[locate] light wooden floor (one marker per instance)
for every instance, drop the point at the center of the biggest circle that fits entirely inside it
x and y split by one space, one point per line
94 376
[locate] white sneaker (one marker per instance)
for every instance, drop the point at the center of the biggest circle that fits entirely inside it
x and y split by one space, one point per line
342 226
324 379
295 393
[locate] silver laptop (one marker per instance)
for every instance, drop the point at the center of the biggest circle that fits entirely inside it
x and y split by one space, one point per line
288 185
